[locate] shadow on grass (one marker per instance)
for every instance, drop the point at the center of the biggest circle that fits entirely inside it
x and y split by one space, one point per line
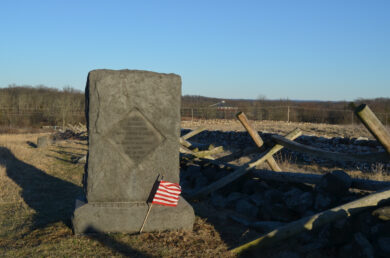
68 153
113 244
60 159
52 198
31 144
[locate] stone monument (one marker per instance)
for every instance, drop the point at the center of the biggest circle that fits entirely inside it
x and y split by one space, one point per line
133 120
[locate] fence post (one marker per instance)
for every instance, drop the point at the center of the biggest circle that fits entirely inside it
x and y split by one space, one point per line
192 115
372 123
288 114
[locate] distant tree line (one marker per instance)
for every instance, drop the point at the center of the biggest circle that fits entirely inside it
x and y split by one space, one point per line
27 106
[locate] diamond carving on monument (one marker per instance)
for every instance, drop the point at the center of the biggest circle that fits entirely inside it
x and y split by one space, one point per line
135 136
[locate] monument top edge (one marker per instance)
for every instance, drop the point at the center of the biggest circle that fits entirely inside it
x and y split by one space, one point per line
129 71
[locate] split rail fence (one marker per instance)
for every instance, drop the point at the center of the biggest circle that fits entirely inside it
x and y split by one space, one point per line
265 154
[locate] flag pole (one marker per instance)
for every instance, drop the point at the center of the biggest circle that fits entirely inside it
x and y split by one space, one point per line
147 214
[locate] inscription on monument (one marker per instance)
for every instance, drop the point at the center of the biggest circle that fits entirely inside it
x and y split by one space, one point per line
136 136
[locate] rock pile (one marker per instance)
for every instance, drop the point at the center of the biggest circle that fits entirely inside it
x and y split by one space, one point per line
264 206
240 140
71 135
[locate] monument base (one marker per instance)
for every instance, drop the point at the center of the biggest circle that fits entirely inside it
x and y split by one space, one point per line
128 217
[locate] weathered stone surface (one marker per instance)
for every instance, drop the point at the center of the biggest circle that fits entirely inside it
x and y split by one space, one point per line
43 141
276 212
233 197
288 254
128 217
218 201
384 245
382 213
134 126
322 201
336 183
331 189
363 246
298 201
133 120
246 208
257 199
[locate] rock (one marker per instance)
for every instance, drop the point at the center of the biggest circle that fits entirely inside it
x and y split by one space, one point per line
257 199
254 186
250 186
210 173
273 196
360 139
278 212
288 254
246 208
189 177
336 183
293 193
383 230
83 159
306 201
348 250
363 222
382 213
43 141
218 201
375 229
219 174
193 170
312 246
322 202
78 159
383 244
365 247
133 120
341 231
267 226
298 201
331 188
233 197
262 187
262 226
200 182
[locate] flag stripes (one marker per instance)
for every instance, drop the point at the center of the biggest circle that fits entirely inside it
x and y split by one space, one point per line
167 194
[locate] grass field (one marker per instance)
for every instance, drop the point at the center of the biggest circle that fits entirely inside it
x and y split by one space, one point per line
280 127
38 187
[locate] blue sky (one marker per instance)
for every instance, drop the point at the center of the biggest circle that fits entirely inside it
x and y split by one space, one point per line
306 50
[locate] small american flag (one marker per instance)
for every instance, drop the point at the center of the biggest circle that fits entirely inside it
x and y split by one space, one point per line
167 194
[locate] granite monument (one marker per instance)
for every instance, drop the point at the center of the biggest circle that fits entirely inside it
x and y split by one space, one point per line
133 121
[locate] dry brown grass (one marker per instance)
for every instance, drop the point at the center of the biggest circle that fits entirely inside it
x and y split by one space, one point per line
37 192
38 188
280 127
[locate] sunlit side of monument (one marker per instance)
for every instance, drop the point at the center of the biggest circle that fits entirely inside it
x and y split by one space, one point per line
133 120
